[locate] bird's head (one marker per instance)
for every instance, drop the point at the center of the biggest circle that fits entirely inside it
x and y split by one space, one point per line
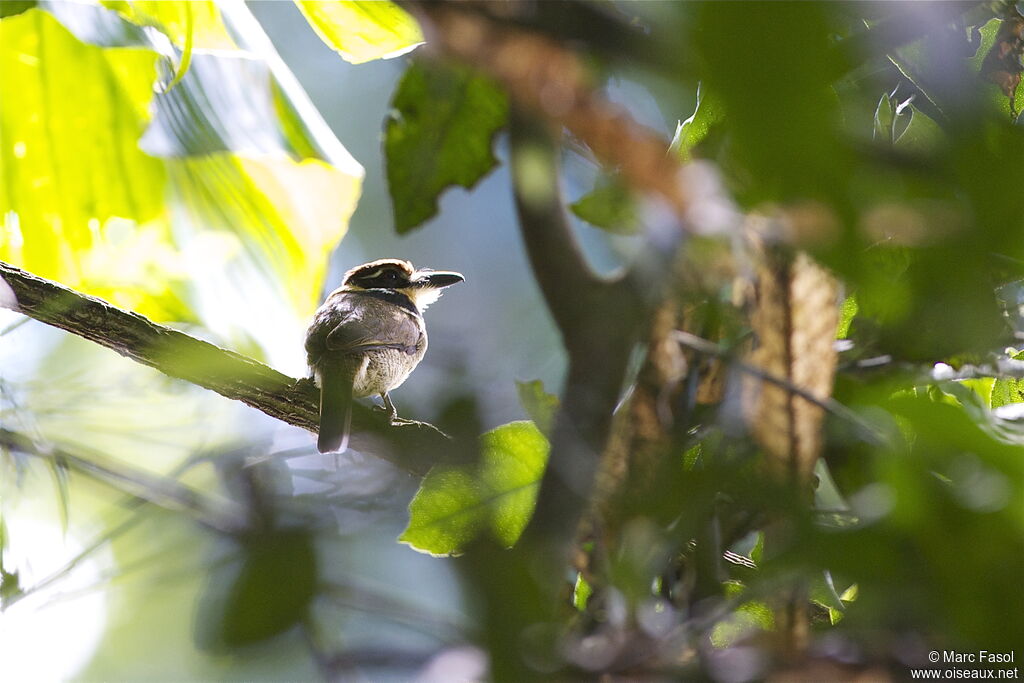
422 286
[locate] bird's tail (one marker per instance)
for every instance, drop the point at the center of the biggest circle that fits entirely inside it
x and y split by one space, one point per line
335 406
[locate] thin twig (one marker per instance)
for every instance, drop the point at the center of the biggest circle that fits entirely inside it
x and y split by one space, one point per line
360 598
222 516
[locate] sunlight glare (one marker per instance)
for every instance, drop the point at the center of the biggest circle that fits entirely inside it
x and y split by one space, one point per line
49 635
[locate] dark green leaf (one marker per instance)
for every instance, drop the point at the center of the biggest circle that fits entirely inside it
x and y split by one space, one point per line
921 133
270 594
8 8
440 134
774 87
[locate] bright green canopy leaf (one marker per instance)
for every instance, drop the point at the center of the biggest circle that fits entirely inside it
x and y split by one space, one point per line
195 22
75 166
362 31
96 170
455 504
439 135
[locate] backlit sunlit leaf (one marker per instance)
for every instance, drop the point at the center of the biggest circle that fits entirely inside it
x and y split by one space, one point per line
362 31
110 179
455 504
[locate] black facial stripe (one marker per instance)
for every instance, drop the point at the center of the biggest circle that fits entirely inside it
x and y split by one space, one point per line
390 296
388 277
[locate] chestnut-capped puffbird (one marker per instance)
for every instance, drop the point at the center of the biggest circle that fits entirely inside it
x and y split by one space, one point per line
367 337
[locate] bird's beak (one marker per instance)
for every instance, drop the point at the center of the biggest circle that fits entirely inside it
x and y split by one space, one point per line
436 279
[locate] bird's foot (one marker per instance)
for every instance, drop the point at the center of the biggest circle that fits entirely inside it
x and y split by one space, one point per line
396 421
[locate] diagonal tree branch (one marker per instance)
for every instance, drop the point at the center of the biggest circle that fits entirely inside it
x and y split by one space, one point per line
414 447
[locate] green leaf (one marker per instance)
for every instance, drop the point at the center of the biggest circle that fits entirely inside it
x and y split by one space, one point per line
362 31
692 131
66 177
440 134
892 117
1006 391
195 22
749 616
581 592
757 552
91 176
610 206
8 8
823 592
921 134
883 119
269 594
846 315
540 406
988 32
455 504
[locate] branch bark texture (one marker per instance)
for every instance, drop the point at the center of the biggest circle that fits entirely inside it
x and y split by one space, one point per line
414 447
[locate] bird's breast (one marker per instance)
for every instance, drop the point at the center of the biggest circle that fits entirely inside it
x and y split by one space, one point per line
382 370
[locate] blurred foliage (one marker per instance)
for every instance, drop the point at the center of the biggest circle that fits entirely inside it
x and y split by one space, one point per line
539 405
270 593
610 205
874 136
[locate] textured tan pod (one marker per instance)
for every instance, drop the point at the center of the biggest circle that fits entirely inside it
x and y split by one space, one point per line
794 319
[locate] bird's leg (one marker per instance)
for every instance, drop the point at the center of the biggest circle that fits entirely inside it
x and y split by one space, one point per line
392 412
389 406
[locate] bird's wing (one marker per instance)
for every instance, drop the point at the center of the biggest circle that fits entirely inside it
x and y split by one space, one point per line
346 326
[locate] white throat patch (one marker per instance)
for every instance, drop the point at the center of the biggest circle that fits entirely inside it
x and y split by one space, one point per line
422 296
